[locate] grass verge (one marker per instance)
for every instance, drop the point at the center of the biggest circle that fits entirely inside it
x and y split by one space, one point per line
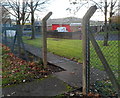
15 70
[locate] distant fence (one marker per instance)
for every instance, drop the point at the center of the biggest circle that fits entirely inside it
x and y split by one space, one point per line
65 35
12 36
71 35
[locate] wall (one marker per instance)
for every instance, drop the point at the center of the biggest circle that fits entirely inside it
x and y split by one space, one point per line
75 28
65 35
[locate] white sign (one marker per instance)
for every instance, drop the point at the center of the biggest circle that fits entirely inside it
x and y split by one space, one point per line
61 29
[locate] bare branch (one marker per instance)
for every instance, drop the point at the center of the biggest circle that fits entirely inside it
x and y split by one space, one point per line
115 2
10 12
12 6
36 5
27 17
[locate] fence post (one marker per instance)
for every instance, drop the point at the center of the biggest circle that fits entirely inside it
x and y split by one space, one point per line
0 48
44 32
5 36
1 19
86 68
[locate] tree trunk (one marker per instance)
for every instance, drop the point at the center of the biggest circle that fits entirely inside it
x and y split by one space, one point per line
33 27
105 29
32 22
18 32
18 37
111 13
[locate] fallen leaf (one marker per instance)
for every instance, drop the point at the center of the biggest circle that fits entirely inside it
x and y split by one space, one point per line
71 94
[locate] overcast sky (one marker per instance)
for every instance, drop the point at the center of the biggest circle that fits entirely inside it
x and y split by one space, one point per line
58 7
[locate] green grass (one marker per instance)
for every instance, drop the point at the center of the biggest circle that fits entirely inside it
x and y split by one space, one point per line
62 47
66 48
110 52
110 32
73 49
36 42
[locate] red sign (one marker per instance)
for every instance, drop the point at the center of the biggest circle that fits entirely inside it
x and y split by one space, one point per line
54 26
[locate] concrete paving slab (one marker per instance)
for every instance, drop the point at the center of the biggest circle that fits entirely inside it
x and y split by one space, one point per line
51 86
70 78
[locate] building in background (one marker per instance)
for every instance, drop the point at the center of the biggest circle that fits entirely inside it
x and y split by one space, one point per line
72 24
53 24
115 19
76 27
55 27
27 26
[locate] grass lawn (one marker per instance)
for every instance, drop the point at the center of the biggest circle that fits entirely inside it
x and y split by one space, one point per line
72 49
110 32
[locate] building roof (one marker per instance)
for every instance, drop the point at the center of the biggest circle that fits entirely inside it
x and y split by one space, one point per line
67 20
75 24
72 21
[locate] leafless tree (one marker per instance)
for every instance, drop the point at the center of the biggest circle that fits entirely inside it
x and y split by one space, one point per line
102 6
36 5
112 7
18 10
5 15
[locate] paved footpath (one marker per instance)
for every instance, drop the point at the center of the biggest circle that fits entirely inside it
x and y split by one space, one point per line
50 86
54 85
73 73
